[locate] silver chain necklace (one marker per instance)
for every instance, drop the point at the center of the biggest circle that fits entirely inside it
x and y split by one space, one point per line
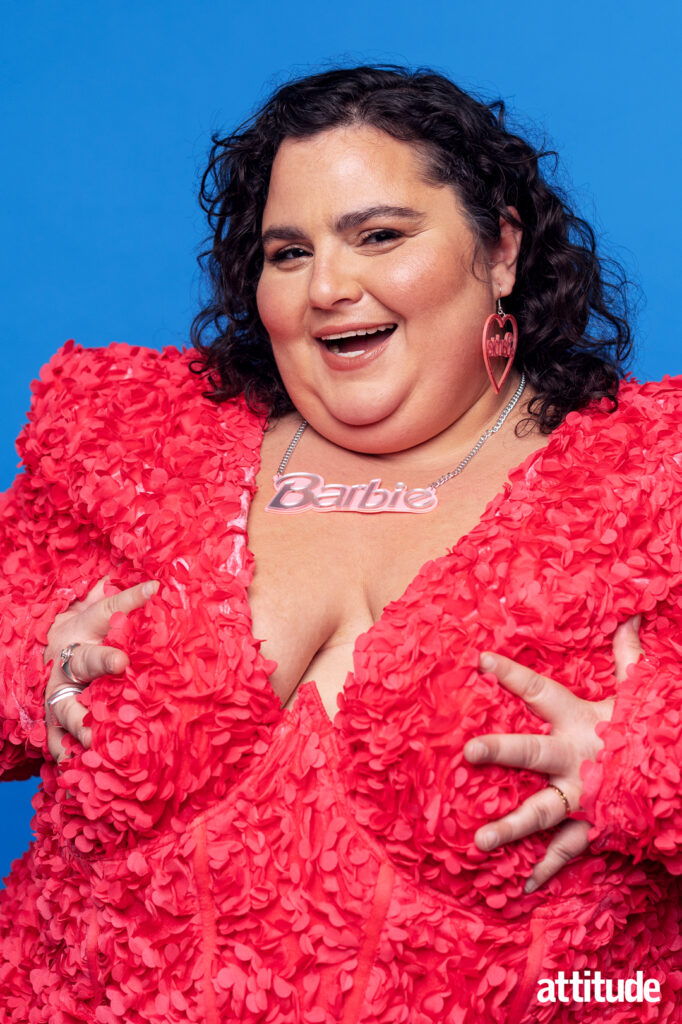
303 492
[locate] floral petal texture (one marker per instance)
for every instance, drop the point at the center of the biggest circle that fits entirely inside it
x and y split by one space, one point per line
213 859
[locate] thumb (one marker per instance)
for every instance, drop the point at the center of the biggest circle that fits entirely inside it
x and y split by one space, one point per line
626 646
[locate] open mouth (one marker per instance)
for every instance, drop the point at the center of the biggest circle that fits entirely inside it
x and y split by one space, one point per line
352 344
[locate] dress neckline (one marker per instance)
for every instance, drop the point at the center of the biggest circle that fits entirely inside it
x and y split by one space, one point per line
517 479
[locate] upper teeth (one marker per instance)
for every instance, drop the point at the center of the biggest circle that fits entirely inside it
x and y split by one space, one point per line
355 334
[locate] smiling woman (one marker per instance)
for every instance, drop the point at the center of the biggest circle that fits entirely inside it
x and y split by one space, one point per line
376 245
371 245
311 792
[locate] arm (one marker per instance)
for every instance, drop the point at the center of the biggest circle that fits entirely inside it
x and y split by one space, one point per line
30 598
629 791
632 789
47 553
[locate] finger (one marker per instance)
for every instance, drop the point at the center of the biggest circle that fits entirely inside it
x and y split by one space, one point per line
98 616
537 753
55 735
540 811
95 594
58 748
66 716
627 649
547 698
569 842
89 661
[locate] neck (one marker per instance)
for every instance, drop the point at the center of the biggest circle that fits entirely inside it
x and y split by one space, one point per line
436 455
401 447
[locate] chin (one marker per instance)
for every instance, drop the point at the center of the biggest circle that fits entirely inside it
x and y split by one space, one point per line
373 436
365 418
355 409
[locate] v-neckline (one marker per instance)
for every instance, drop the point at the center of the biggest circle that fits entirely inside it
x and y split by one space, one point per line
515 478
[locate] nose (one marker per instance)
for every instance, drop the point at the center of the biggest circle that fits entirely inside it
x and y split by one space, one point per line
333 280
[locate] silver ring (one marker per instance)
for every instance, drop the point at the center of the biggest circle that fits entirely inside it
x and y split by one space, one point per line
63 693
65 664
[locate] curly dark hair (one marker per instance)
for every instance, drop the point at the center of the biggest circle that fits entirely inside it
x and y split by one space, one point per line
570 305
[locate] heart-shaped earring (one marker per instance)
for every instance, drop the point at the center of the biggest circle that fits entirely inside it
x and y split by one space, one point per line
500 338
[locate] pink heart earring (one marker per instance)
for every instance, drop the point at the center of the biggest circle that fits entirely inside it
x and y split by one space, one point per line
500 338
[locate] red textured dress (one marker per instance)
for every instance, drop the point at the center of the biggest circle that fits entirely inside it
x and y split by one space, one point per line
214 859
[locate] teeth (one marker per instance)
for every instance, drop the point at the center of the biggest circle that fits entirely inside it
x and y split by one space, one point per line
336 349
355 334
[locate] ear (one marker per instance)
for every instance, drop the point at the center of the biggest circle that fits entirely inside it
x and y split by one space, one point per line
504 255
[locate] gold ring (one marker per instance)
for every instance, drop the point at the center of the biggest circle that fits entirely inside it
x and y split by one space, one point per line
567 806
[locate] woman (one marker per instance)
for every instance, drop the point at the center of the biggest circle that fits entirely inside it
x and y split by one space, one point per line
205 855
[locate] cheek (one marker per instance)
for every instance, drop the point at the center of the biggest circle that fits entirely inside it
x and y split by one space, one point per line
264 304
426 285
276 307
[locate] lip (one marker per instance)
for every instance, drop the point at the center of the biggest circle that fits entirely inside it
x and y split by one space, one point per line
368 325
346 365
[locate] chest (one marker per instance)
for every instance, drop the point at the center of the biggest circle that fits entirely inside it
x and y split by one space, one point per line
323 579
543 577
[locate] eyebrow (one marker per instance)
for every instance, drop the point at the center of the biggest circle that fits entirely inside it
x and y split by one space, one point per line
285 232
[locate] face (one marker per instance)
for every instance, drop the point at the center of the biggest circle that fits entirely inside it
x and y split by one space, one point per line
369 292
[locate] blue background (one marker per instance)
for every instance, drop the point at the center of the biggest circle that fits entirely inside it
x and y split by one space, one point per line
108 109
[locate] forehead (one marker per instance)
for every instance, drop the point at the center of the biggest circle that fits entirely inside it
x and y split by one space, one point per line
347 163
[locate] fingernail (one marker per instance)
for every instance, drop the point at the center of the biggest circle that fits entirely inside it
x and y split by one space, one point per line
475 750
636 623
530 886
488 840
487 662
150 587
111 662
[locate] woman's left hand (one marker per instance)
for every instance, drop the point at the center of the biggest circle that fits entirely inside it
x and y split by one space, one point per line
559 754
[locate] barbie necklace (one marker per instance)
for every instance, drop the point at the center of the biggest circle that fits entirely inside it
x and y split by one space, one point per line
308 492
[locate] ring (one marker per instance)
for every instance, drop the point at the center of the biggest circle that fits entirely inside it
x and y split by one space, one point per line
567 806
65 664
63 693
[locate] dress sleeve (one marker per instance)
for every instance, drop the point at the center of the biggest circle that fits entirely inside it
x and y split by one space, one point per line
40 542
633 792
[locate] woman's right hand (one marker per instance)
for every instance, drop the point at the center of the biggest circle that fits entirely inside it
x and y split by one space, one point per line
85 623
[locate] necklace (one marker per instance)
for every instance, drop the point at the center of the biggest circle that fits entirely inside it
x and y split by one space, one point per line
303 492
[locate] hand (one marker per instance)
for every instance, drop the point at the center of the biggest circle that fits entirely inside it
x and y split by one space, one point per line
559 754
85 623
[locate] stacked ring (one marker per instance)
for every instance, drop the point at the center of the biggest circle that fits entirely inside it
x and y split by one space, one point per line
63 693
65 664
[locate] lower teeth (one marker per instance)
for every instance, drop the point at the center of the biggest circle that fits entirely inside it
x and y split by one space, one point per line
347 355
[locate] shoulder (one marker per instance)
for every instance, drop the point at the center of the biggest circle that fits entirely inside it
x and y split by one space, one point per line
94 373
122 395
636 451
652 400
627 459
644 430
648 422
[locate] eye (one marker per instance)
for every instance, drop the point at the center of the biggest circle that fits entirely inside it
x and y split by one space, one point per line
287 255
380 235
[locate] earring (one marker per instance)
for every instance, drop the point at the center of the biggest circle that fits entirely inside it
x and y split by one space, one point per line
500 338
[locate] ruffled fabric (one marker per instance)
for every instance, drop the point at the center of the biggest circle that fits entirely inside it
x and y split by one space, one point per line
632 792
586 535
211 858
